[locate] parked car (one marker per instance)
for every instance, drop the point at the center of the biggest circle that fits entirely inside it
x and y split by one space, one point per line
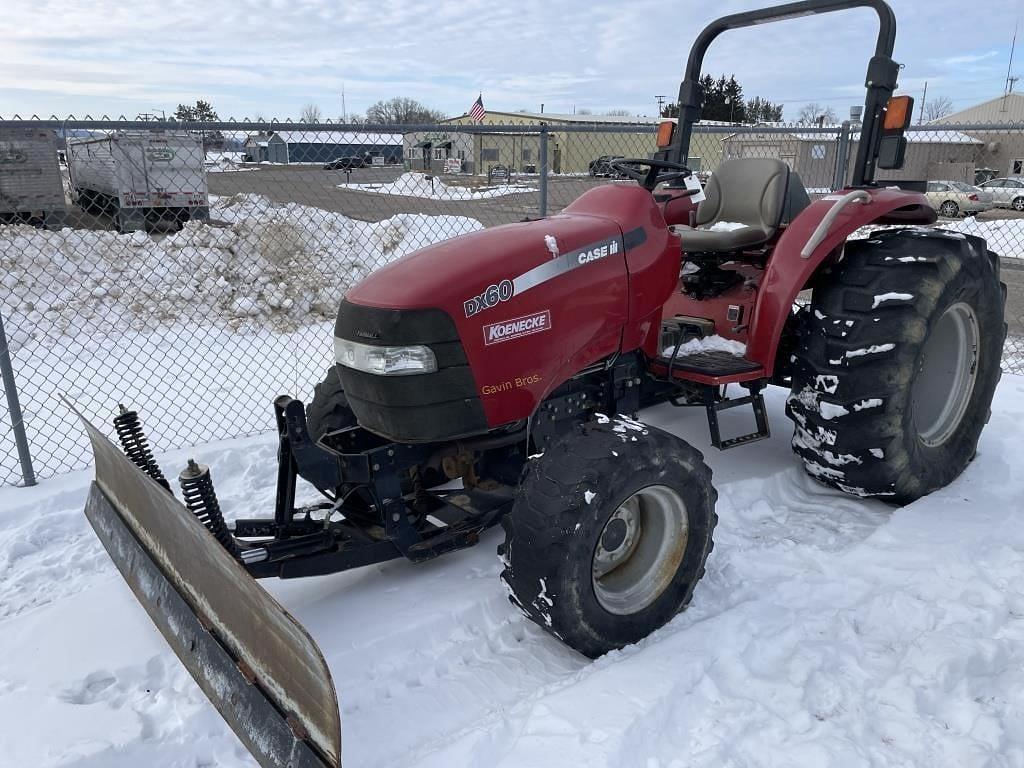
345 163
602 166
955 198
1006 192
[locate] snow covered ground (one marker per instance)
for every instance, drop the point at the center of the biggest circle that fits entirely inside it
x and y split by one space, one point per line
418 185
829 631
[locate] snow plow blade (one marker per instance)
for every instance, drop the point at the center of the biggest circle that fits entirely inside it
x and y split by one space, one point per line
255 662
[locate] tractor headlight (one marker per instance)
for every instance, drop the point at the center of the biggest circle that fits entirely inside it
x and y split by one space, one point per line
385 361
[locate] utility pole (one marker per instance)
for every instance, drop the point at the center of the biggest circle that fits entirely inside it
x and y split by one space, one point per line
344 112
1010 79
661 104
924 98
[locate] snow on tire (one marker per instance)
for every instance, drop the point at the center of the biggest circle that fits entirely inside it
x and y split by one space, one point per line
897 363
609 533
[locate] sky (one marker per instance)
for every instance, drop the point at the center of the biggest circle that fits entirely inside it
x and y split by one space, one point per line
269 58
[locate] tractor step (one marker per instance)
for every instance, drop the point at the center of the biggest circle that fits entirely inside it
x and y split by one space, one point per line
710 363
756 401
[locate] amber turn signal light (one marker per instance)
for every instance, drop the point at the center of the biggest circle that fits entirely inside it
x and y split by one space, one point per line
665 131
898 113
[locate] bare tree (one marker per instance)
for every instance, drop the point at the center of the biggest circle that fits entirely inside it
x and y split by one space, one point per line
402 110
311 114
938 107
584 111
814 113
618 113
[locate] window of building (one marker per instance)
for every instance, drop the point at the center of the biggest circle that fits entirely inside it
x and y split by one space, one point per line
439 154
817 151
527 154
489 154
1018 167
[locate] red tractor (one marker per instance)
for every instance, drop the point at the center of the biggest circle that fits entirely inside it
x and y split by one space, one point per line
497 377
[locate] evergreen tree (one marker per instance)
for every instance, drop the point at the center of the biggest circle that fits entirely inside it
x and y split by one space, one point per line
201 112
723 101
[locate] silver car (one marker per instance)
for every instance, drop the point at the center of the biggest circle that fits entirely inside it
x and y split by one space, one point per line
955 198
1006 192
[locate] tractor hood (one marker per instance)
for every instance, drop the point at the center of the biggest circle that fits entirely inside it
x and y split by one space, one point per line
449 272
509 313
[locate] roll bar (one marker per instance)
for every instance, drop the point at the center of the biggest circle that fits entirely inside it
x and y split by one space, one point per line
880 81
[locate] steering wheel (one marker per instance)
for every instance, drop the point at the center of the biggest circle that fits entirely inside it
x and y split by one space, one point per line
655 173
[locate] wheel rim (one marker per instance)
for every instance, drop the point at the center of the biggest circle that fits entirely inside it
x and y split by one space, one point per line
949 209
1018 204
946 374
640 549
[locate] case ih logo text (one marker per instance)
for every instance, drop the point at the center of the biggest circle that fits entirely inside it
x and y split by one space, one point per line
490 298
598 252
514 329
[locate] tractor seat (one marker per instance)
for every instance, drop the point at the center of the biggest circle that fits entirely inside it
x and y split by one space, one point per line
758 193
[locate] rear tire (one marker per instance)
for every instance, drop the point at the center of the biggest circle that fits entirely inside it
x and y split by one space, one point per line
609 534
1017 204
949 209
898 362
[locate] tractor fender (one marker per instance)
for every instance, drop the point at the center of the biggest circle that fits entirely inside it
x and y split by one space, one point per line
789 271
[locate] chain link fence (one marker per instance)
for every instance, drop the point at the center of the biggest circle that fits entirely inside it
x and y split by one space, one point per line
194 271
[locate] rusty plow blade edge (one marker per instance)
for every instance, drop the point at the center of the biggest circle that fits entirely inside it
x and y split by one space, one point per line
254 661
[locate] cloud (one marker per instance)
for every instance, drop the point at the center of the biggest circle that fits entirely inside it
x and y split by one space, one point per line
968 58
273 56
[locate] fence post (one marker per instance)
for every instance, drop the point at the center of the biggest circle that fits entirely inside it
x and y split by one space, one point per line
842 156
14 407
543 170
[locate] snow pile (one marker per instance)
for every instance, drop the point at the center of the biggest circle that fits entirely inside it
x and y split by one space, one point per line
225 162
707 344
1004 236
723 226
419 185
278 265
827 631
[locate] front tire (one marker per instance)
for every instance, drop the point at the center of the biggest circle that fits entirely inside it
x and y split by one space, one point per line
328 411
898 362
609 534
949 209
1017 204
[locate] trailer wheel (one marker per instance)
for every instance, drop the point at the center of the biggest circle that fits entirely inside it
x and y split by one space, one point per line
328 411
898 362
609 534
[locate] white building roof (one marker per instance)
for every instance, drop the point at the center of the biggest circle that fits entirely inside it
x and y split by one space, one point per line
1007 109
338 137
933 136
557 117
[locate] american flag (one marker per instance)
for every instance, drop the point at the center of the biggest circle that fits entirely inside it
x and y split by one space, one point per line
477 111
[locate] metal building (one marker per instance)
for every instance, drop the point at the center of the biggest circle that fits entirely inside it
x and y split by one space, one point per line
323 146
